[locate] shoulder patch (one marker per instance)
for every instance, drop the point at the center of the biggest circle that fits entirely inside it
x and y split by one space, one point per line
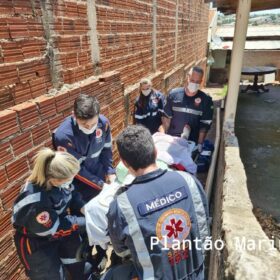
197 101
99 132
43 217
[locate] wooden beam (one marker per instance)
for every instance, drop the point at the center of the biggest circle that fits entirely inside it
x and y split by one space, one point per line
240 31
230 6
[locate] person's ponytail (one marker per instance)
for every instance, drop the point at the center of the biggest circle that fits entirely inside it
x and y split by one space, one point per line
42 161
53 165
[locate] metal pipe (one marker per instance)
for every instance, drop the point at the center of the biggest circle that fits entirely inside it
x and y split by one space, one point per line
211 171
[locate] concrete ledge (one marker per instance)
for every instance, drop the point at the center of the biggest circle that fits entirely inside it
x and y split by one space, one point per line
239 225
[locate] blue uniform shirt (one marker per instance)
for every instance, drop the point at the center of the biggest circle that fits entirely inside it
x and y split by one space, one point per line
150 115
158 204
93 151
196 111
42 213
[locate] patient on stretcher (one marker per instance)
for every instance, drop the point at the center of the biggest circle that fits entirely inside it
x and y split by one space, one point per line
171 151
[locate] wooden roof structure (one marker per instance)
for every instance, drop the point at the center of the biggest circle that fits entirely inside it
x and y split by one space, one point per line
230 6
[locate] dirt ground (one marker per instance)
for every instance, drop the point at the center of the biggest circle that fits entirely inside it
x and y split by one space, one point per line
269 226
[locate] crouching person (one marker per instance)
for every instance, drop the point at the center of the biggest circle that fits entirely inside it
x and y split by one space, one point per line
156 219
46 236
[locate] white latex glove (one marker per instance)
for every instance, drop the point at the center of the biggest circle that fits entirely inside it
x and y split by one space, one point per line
199 148
186 132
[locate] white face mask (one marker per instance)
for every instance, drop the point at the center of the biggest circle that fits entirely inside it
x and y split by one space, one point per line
193 87
65 185
146 92
88 131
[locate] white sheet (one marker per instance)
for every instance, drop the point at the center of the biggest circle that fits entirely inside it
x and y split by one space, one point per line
95 214
170 150
175 150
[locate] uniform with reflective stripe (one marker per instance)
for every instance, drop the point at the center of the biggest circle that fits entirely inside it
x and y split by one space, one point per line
34 201
196 111
131 225
93 151
150 116
45 230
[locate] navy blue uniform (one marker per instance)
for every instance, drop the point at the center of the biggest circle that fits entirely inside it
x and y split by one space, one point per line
167 205
195 111
46 235
93 151
150 116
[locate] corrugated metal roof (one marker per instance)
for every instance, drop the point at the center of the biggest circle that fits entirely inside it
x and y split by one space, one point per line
253 31
250 45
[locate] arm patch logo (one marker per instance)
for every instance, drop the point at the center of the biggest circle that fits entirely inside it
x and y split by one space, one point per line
43 217
99 133
197 101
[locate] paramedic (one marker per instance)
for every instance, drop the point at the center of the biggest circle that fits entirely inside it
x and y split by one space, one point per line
46 236
87 136
149 106
165 205
188 107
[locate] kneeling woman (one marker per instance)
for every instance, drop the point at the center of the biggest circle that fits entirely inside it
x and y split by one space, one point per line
47 236
149 106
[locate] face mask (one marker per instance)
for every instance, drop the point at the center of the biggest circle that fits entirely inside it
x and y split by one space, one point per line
88 131
146 92
193 87
65 185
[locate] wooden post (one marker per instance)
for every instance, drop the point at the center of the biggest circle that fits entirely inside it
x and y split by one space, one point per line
241 25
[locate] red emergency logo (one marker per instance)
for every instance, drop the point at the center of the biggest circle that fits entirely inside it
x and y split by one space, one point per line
99 133
173 224
174 228
43 217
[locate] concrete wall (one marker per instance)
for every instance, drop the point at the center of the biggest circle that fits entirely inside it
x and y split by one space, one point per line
262 58
219 72
50 51
234 220
220 58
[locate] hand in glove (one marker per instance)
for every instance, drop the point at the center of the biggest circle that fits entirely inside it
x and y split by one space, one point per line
199 148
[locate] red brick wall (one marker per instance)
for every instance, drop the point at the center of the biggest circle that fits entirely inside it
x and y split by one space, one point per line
125 37
27 127
69 25
24 70
192 33
46 61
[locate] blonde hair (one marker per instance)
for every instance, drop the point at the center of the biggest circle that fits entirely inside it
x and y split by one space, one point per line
51 164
